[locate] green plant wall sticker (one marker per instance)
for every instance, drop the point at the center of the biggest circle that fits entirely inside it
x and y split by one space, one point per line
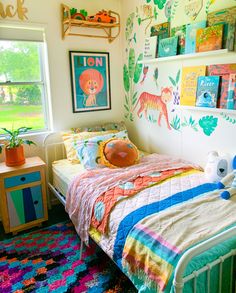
208 124
129 26
227 117
155 76
152 119
168 9
131 76
175 123
174 6
190 123
160 3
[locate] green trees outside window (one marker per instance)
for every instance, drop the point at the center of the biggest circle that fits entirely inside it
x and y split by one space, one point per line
22 85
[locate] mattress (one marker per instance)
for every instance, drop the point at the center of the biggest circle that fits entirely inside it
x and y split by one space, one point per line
63 174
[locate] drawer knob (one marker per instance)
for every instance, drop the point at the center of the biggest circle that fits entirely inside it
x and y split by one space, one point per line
23 179
36 202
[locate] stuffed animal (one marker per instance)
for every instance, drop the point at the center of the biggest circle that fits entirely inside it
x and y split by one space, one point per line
217 167
229 182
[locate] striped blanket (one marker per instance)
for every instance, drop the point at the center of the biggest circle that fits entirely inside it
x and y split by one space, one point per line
148 233
155 244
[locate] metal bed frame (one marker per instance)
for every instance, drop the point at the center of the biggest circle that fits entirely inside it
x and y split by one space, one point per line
56 151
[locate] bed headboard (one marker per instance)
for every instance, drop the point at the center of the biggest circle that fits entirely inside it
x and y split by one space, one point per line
54 150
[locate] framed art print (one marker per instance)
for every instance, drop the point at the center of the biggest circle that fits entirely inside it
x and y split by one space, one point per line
90 81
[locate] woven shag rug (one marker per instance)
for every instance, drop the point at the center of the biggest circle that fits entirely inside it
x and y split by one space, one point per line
47 260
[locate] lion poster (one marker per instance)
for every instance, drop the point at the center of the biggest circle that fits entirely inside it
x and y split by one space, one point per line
90 81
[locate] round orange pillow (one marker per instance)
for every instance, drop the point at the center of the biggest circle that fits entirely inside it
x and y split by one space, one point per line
118 153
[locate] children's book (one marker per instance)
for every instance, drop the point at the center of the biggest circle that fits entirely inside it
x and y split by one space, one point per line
189 84
207 91
180 32
231 98
226 14
191 32
161 30
150 48
224 71
227 17
209 38
167 47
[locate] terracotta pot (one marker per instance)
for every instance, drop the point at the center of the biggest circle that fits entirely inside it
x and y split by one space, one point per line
15 156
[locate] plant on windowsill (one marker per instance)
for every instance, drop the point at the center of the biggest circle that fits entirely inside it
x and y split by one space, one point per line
13 144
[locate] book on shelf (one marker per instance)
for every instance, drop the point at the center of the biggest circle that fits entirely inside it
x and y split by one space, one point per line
189 84
180 32
228 14
167 47
191 32
224 71
231 97
227 17
162 31
150 48
207 91
209 38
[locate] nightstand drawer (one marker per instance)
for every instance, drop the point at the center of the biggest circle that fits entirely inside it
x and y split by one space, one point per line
22 179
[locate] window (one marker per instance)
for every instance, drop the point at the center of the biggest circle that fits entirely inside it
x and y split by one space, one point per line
23 90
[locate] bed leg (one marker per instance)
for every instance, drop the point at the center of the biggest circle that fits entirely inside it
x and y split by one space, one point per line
81 249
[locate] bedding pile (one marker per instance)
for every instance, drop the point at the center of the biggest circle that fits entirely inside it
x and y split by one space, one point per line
97 181
147 215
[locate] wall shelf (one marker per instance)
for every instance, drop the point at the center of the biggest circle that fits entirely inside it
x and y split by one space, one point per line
205 109
71 27
189 56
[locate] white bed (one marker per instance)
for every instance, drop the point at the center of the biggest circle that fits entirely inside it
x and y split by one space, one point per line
60 174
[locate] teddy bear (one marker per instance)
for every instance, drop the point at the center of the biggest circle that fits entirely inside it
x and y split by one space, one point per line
217 167
229 182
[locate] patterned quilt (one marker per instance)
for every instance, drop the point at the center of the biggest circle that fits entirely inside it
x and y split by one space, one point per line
150 230
107 201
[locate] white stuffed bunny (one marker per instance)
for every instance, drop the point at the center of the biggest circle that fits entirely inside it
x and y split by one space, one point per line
229 182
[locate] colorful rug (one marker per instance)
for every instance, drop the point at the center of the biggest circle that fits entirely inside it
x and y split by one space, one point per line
47 260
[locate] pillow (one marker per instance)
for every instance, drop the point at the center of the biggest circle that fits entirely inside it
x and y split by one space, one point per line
118 153
104 127
70 139
88 150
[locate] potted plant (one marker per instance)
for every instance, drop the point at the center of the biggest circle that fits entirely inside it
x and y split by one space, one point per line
13 144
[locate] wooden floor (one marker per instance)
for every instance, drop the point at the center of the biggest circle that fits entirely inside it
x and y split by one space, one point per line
55 215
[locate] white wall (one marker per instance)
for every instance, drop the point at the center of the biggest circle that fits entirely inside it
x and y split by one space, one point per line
186 142
48 12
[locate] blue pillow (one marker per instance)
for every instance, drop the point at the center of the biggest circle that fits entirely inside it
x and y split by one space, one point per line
87 150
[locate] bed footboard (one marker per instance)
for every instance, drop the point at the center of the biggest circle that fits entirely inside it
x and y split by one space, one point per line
179 280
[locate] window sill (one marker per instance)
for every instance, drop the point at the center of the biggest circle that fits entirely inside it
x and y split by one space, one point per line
31 134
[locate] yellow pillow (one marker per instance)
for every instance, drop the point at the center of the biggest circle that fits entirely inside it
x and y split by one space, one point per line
70 139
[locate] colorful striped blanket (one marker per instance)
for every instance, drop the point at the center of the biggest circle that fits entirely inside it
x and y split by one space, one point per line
155 244
182 206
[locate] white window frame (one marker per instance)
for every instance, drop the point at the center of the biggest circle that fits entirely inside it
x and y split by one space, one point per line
44 67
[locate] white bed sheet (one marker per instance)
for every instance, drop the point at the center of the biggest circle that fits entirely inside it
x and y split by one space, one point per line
63 174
